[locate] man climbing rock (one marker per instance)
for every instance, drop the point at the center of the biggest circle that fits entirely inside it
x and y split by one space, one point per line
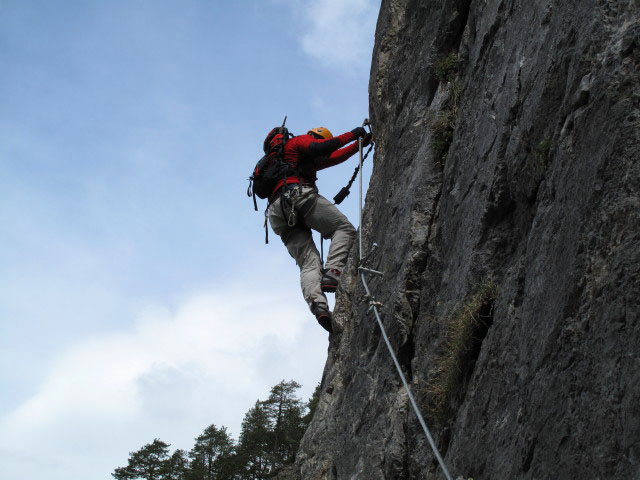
296 208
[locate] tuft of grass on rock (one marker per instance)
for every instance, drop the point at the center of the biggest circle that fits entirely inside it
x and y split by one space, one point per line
446 68
464 331
442 134
444 124
541 155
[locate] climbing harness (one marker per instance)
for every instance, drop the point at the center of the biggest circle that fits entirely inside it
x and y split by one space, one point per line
288 200
374 305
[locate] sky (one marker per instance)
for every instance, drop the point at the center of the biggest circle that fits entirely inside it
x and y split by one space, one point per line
137 297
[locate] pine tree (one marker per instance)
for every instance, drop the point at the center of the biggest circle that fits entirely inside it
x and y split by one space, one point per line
176 466
285 413
254 444
212 456
148 463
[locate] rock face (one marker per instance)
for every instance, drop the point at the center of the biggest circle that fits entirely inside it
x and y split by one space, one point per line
505 191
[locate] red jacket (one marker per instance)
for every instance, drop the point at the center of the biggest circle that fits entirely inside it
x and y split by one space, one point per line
311 155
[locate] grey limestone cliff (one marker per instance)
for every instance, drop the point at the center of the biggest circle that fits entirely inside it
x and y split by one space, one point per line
506 194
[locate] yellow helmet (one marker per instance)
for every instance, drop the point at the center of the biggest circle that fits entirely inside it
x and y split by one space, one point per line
322 132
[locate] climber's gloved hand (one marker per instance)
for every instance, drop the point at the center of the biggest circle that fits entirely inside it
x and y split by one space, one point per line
368 138
359 132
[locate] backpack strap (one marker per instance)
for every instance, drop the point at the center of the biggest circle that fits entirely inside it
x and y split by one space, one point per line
286 135
266 228
251 192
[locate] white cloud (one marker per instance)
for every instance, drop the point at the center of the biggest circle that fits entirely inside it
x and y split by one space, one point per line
169 376
338 33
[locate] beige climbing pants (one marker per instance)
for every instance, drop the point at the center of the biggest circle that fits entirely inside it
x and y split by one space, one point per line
311 212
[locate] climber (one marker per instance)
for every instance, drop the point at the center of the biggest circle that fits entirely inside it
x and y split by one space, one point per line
296 208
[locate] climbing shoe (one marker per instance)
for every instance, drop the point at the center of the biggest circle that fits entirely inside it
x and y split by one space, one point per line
330 280
323 315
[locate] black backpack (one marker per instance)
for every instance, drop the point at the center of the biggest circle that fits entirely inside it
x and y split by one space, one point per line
270 169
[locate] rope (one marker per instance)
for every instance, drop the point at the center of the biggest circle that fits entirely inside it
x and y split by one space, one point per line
344 192
360 249
373 305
